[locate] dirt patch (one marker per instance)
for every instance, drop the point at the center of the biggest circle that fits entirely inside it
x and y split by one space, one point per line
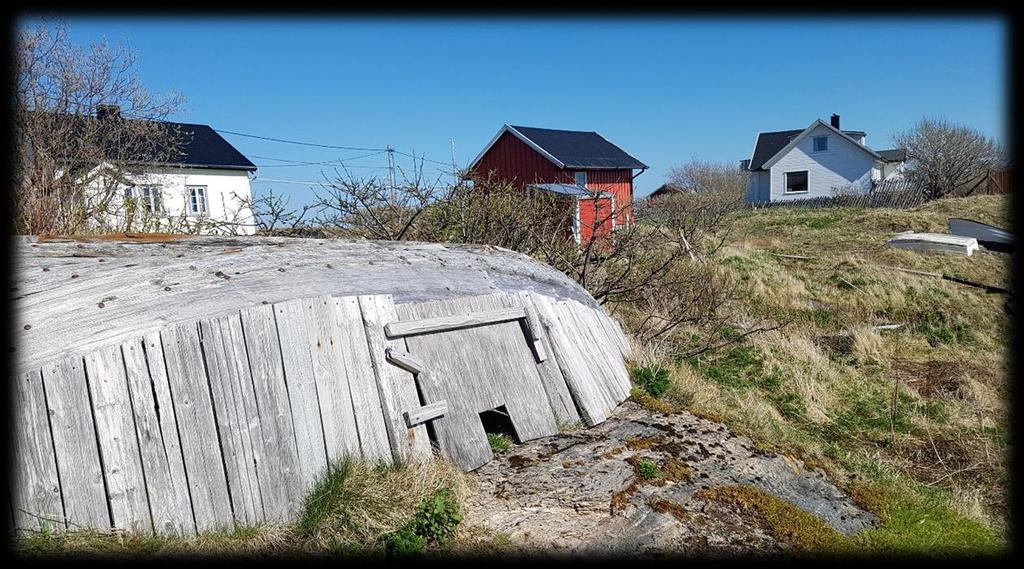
836 344
935 378
951 457
669 507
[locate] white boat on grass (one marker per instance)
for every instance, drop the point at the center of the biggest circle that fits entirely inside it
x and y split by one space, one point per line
935 242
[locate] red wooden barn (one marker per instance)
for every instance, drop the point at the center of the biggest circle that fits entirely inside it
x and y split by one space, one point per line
592 175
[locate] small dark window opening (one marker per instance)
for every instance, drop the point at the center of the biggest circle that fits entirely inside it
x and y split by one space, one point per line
497 422
796 182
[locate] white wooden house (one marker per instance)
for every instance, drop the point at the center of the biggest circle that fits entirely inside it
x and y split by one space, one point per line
204 189
818 161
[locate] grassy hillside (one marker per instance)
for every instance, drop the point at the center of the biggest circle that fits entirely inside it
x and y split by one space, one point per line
913 420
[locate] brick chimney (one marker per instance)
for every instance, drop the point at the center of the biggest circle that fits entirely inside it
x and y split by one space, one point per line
108 111
835 121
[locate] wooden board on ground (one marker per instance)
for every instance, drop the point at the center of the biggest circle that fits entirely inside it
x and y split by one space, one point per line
74 442
340 434
118 442
298 373
572 362
354 349
197 428
551 376
396 387
279 473
157 430
35 490
234 404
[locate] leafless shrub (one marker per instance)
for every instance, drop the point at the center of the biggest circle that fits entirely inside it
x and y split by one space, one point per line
706 177
272 213
372 208
942 155
59 184
654 273
484 210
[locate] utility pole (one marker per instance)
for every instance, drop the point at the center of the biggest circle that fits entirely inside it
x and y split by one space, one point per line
391 172
455 167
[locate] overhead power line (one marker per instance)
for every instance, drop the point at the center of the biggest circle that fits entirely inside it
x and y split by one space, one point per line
298 142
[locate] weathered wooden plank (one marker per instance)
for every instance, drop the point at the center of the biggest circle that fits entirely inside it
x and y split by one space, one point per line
341 437
551 376
298 373
396 387
35 491
593 358
592 333
606 333
453 322
278 473
405 360
157 430
571 362
355 351
494 367
197 427
426 413
74 443
234 404
118 442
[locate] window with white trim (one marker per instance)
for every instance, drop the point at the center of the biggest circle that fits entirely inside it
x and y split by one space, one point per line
581 179
197 200
796 182
147 198
821 144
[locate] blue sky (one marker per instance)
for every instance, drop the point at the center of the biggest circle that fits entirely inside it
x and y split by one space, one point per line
664 89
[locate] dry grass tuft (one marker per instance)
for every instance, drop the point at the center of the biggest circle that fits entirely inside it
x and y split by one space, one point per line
357 502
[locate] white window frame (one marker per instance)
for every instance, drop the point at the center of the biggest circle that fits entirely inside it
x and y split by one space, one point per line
814 144
149 196
785 182
576 175
202 196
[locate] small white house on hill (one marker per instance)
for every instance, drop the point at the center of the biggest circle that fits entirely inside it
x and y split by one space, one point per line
204 189
818 161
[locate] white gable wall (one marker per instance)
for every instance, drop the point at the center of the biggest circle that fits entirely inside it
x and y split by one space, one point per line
226 193
845 164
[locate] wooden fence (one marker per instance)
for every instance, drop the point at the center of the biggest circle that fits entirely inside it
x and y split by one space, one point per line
212 424
993 182
899 194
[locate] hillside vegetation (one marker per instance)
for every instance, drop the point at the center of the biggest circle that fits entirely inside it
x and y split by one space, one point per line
912 419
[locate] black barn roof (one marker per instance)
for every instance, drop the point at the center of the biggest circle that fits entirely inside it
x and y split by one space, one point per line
579 149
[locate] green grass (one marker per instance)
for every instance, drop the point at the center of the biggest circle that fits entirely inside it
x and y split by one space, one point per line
654 380
828 389
647 469
499 442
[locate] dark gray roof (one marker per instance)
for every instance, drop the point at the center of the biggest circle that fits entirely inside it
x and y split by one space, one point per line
665 189
204 147
199 146
578 149
893 154
770 143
